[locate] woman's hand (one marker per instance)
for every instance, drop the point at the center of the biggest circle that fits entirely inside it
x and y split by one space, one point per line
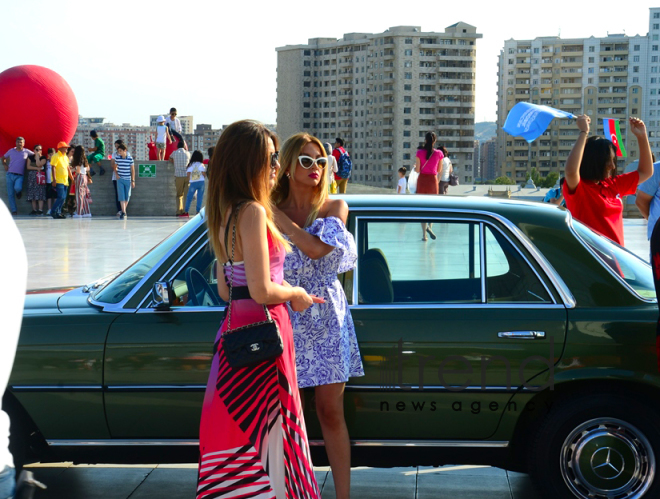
302 301
583 123
637 127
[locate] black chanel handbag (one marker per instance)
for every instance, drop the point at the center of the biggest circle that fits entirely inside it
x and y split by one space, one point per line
253 343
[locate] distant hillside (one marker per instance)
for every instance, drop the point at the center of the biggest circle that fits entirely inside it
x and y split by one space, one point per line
485 130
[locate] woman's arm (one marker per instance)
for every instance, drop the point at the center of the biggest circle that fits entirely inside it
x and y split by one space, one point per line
645 168
29 166
252 230
310 245
643 202
417 164
572 169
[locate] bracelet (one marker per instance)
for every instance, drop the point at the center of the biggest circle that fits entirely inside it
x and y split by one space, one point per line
583 131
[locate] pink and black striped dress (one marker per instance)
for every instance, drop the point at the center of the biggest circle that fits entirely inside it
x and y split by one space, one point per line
253 442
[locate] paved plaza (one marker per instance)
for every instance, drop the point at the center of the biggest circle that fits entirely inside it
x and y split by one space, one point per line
88 249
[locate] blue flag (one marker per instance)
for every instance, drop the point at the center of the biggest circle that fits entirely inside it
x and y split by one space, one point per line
529 121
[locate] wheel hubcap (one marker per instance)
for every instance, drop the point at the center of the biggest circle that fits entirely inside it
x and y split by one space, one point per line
607 458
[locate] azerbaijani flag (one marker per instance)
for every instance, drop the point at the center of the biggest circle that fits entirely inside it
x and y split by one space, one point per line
612 131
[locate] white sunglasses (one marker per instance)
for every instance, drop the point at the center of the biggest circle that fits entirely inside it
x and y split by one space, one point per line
306 162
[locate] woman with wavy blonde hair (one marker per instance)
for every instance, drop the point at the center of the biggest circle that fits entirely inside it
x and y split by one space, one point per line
252 415
322 247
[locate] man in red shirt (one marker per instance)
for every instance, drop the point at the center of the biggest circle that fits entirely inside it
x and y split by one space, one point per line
344 165
593 191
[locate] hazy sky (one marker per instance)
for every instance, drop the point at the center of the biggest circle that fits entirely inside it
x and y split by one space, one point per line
126 59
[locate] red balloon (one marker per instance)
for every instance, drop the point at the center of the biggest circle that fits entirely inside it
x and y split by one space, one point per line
38 104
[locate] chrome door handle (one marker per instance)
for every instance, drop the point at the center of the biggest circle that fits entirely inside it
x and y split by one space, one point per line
522 335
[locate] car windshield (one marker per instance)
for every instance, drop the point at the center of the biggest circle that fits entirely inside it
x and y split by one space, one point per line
619 261
121 286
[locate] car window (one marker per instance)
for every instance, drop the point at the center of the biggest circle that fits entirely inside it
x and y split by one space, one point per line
509 278
396 266
122 285
196 283
629 267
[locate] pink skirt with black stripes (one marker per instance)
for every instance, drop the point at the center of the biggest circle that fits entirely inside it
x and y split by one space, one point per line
253 442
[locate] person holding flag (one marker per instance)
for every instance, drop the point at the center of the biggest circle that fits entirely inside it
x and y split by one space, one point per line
593 191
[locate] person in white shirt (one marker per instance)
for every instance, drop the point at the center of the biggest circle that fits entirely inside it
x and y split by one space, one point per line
11 307
174 125
331 169
163 137
196 175
402 185
446 170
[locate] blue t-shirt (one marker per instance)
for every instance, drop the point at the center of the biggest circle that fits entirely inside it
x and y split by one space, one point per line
652 188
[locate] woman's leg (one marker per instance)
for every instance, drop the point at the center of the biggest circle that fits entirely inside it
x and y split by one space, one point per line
200 195
330 411
34 204
424 238
189 197
41 204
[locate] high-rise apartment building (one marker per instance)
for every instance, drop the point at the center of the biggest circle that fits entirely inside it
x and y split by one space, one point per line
610 77
488 160
135 137
382 93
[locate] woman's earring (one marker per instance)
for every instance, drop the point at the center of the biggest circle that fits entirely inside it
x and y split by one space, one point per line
288 175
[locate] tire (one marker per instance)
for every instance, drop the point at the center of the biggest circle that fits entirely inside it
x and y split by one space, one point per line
597 447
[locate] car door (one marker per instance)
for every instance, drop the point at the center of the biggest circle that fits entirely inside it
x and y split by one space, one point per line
157 362
447 328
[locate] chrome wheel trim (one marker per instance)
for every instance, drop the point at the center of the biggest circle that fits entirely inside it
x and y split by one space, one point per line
607 458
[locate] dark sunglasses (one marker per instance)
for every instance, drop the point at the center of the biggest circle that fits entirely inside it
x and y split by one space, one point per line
275 159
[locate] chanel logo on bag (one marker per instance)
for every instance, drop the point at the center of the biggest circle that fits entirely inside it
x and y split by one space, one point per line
255 347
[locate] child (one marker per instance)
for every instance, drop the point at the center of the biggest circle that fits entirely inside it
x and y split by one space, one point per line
196 175
163 137
403 184
50 191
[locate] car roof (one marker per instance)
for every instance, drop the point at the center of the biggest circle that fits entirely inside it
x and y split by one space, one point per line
514 210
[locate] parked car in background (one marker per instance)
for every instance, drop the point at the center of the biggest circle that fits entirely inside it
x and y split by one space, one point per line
518 338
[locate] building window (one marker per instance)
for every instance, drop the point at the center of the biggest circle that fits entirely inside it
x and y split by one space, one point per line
635 58
635 69
407 110
406 145
407 76
406 133
406 155
407 98
407 122
408 52
636 48
635 90
592 49
408 41
635 79
654 58
654 48
407 86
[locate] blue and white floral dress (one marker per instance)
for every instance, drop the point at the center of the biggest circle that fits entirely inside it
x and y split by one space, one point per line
324 335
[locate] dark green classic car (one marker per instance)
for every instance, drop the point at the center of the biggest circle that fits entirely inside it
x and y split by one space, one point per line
518 338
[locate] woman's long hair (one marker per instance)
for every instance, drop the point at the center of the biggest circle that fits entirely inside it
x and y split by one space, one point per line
597 153
239 171
429 140
196 157
79 158
289 160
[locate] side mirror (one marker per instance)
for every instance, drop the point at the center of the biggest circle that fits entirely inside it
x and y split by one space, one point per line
163 295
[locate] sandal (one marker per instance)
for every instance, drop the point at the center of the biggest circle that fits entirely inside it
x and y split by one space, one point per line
430 232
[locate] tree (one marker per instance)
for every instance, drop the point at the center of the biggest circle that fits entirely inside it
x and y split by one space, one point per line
504 181
550 180
535 176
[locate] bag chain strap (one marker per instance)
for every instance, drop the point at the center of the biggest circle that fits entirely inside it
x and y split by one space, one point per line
231 281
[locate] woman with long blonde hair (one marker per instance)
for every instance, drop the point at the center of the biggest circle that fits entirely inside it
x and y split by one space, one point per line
253 441
322 247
